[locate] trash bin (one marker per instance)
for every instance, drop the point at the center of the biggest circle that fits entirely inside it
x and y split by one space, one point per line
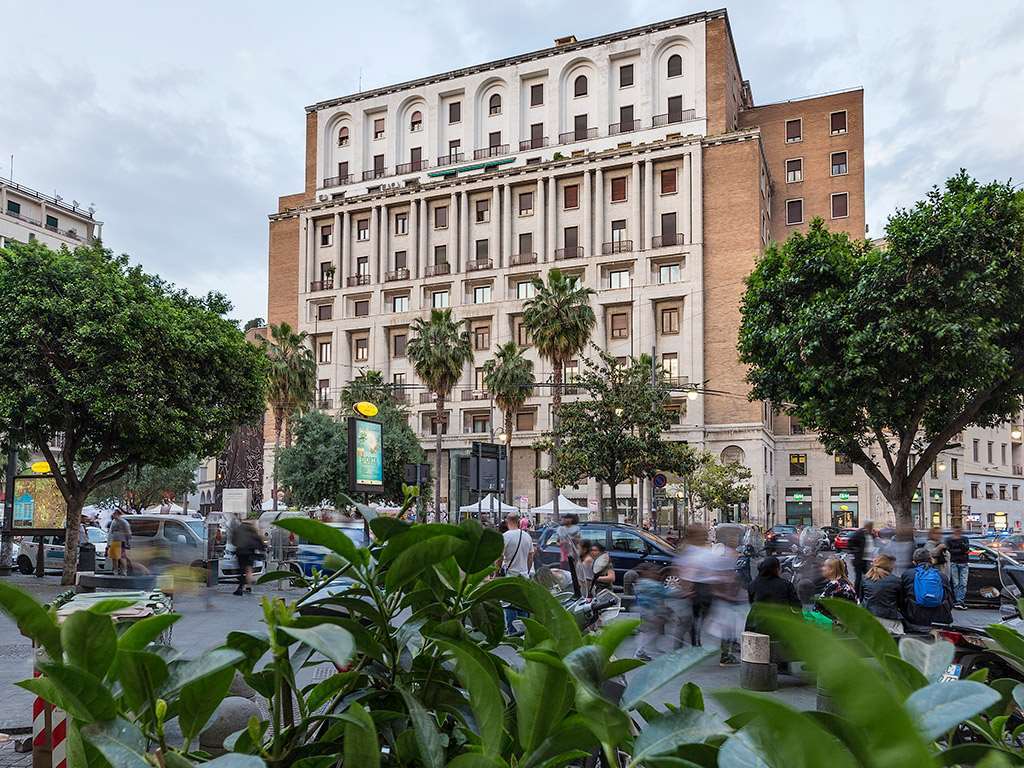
213 572
86 557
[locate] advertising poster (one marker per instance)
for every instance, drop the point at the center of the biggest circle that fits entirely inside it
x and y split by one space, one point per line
365 455
38 503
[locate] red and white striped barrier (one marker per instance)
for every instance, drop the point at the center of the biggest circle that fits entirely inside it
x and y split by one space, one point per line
49 732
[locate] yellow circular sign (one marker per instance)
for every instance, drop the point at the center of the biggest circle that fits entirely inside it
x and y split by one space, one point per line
41 467
365 408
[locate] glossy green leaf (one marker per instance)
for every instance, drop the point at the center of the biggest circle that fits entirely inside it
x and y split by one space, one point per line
385 527
83 695
322 534
931 659
32 619
428 739
481 549
476 673
610 637
199 700
691 697
586 665
413 535
319 694
234 760
541 694
283 575
121 743
361 747
414 560
618 667
863 626
671 731
252 644
569 736
141 674
661 671
606 720
110 605
741 750
941 706
144 631
905 676
332 641
476 760
1011 641
545 609
209 663
970 754
89 641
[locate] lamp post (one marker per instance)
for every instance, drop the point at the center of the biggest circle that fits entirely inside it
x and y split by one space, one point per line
506 440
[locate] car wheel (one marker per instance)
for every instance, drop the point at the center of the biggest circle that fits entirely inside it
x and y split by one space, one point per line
670 578
24 565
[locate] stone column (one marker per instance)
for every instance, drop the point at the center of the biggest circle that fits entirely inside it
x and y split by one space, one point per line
414 237
552 219
385 244
494 246
375 250
425 225
345 239
505 254
588 213
453 231
339 264
464 255
540 207
600 335
636 225
599 233
648 201
312 273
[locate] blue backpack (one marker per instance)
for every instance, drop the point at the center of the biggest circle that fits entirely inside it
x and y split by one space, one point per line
927 587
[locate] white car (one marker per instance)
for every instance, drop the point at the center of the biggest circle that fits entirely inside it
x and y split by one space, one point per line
24 553
161 540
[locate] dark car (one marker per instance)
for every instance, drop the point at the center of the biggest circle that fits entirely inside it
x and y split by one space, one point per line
781 539
987 574
628 546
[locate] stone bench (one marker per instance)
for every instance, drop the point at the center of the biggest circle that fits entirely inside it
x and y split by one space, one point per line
90 582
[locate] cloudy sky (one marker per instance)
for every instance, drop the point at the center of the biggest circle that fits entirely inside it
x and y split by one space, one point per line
183 121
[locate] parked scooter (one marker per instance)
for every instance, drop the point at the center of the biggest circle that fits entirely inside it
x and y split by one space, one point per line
590 612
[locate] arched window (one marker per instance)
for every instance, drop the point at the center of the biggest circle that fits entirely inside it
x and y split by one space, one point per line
343 136
733 454
494 104
416 121
675 65
579 87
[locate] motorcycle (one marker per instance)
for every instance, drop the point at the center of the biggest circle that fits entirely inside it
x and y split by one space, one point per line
590 612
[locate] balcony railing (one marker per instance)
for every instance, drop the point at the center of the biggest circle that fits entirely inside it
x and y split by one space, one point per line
427 397
20 217
433 270
673 117
533 143
496 151
625 127
412 167
580 134
614 282
355 280
518 259
398 274
617 246
475 394
376 173
321 285
337 181
400 397
478 264
450 159
575 252
661 241
324 403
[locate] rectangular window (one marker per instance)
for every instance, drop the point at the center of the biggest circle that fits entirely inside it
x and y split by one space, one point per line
325 312
526 242
572 371
439 299
401 223
343 170
478 380
571 237
618 230
453 147
323 352
524 289
482 338
494 139
618 279
626 121
536 135
840 205
415 155
525 203
843 464
839 167
536 94
974 490
325 235
625 75
794 170
798 464
579 125
454 112
619 189
361 353
1016 493
794 212
400 303
378 128
525 421
670 365
670 321
482 294
441 217
668 273
1002 453
401 260
1002 492
620 326
378 166
363 230
13 207
522 334
571 196
51 222
481 250
668 181
323 391
954 469
481 424
675 109
398 382
362 308
837 123
483 210
440 255
975 451
989 454
398 342
794 131
668 229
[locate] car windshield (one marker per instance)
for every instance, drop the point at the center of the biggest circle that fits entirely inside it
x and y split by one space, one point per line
657 539
198 527
784 528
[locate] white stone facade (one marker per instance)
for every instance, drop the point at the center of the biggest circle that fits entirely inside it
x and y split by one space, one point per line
26 214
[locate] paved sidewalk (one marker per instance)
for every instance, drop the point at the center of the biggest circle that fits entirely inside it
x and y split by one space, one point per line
11 759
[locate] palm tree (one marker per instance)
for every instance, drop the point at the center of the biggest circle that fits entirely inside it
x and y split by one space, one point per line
508 376
560 319
291 381
439 349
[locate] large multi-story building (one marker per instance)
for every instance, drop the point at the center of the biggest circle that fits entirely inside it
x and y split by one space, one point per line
637 161
29 215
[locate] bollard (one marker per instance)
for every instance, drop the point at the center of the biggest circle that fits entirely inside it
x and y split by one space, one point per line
757 670
49 730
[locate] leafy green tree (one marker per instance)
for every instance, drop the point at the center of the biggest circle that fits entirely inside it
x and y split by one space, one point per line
291 381
142 487
891 352
106 368
256 322
508 376
439 350
560 320
716 486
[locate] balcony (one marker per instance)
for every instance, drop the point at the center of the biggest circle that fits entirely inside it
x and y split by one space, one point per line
519 259
663 241
580 134
427 397
355 280
673 117
475 394
400 397
496 151
450 159
337 181
398 274
376 173
478 264
322 285
617 246
413 167
533 144
324 403
434 270
574 252
626 127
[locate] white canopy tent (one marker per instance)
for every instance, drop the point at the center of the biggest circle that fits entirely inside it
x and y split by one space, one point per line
565 507
485 505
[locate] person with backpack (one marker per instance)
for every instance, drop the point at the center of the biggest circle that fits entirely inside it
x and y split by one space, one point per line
926 596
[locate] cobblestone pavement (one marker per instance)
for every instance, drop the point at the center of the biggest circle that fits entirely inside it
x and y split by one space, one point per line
11 759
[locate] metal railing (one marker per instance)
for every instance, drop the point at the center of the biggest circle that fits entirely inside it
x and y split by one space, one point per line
337 181
324 403
533 144
661 241
614 283
495 151
478 264
29 192
355 280
398 274
376 173
427 397
617 246
627 127
433 270
22 217
321 285
673 117
518 259
580 134
450 159
411 167
575 252
475 394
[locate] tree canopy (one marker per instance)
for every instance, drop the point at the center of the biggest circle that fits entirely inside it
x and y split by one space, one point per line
141 488
889 352
116 367
716 486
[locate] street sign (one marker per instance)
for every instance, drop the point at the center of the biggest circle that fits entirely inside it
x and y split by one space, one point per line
660 481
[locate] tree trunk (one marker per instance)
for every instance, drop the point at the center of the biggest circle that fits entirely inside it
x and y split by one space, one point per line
438 414
613 516
901 507
639 512
75 504
556 405
278 419
508 457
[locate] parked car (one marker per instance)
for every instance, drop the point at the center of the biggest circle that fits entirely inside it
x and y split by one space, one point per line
162 540
988 573
24 553
309 556
842 540
628 546
781 539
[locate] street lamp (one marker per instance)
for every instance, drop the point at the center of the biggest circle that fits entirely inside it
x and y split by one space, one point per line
692 394
1015 433
942 466
506 440
618 413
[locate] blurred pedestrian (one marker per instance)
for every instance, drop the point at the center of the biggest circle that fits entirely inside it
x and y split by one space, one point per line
524 523
567 535
926 595
517 561
652 602
693 568
937 549
959 549
118 541
769 587
838 581
247 543
881 594
858 547
601 565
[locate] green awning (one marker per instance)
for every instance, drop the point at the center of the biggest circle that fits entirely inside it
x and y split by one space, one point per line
490 163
